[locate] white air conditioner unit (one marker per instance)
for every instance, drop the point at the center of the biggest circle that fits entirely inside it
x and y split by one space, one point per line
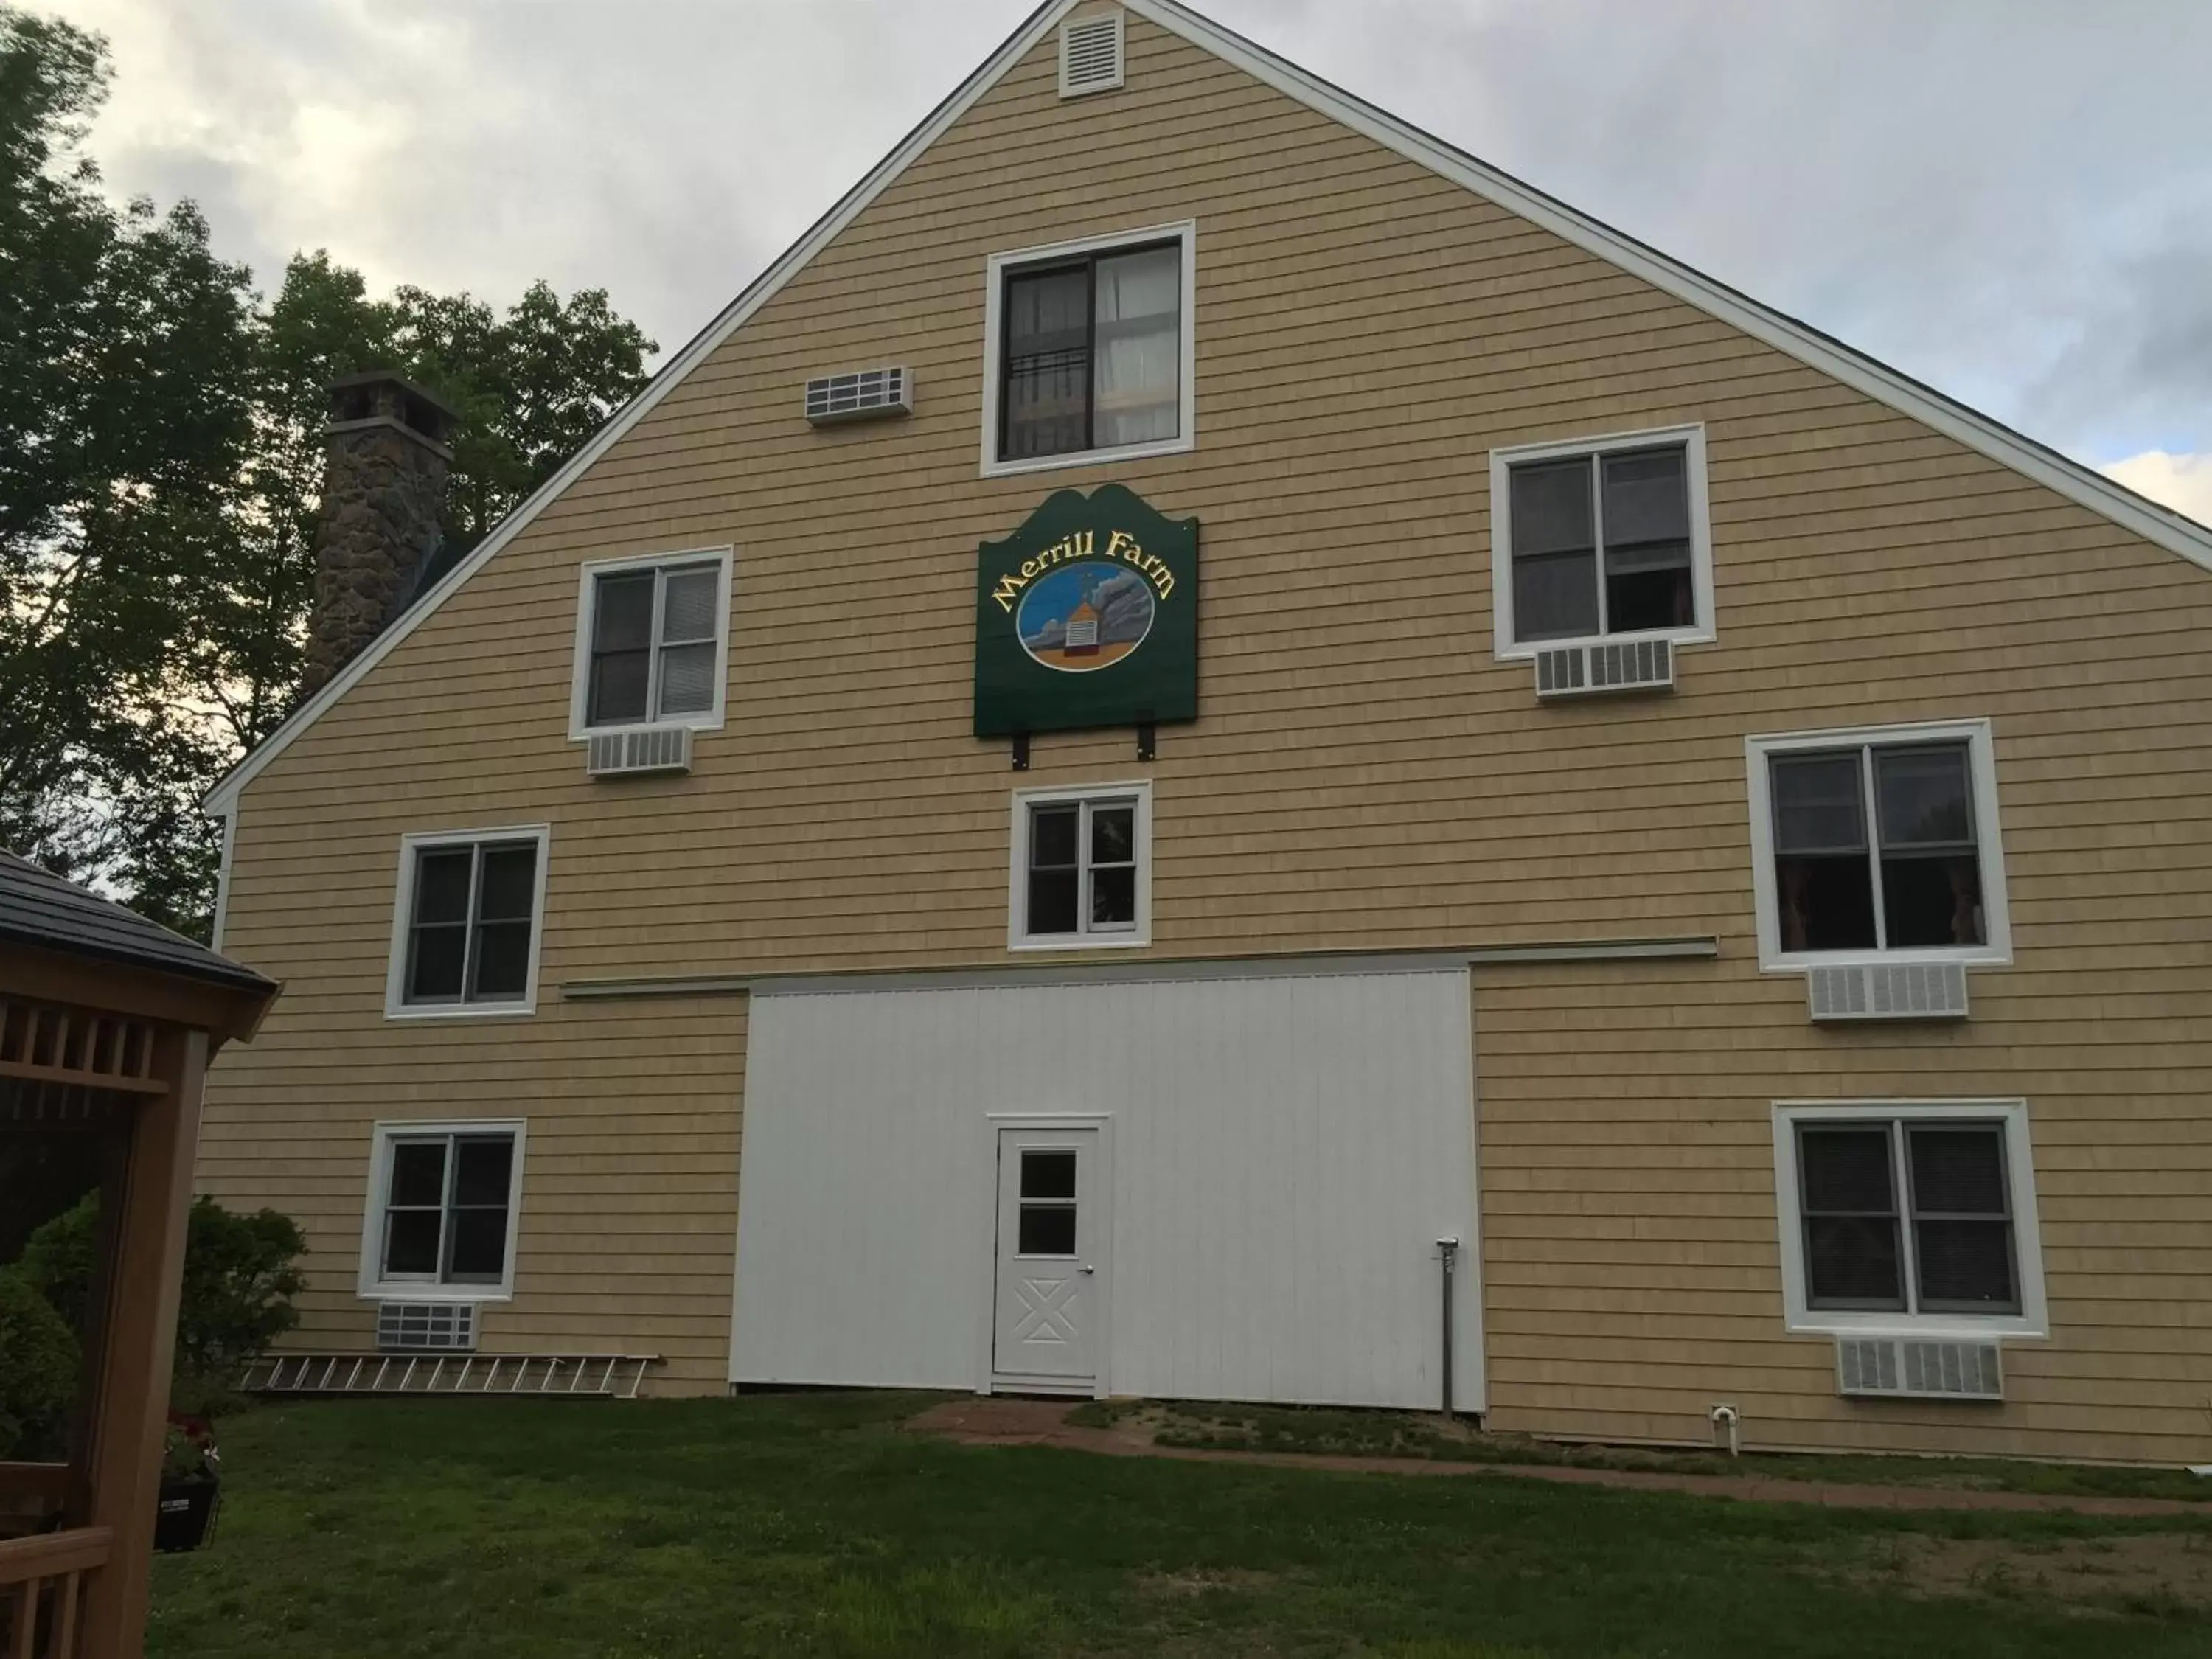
1887 990
1911 1368
1090 55
446 1326
638 750
865 394
1581 671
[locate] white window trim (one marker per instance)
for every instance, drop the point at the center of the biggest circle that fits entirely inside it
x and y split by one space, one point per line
370 1283
1018 866
396 1006
994 283
1981 765
579 672
1502 462
2033 1319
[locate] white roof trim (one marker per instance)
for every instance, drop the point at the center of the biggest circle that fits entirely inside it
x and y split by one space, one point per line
2077 483
2083 485
222 800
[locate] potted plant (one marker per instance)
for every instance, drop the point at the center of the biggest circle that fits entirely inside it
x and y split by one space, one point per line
191 1481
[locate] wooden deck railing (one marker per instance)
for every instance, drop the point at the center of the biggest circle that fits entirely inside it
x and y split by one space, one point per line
42 1590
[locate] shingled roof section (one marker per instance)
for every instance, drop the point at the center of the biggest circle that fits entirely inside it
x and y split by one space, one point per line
40 908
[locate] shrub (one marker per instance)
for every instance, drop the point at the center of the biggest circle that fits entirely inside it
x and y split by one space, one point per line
39 1370
238 1290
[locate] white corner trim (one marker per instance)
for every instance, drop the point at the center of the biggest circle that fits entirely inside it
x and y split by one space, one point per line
1018 864
223 798
229 833
707 720
396 1006
1981 764
1184 233
1502 462
2078 484
2033 1319
368 1281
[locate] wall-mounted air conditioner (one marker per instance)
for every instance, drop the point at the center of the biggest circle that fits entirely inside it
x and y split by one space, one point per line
638 750
1581 671
449 1327
865 394
1915 1368
1887 990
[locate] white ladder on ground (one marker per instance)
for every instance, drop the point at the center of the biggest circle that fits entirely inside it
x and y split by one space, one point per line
602 1376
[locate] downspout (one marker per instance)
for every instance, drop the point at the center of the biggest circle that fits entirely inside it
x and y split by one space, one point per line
1448 1253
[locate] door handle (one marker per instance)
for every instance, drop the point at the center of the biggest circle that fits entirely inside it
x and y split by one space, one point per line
1087 1268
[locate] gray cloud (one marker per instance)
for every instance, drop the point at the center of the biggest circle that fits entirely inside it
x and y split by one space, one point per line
2002 197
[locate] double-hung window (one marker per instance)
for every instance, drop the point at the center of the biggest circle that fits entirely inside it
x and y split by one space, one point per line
442 1212
1878 843
652 642
1089 352
1908 1216
466 926
1082 867
1601 539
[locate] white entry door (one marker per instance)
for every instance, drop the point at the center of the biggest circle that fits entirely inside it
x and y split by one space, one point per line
1051 1288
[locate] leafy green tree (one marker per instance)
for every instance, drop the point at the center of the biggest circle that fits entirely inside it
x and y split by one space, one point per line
161 462
238 1284
39 1373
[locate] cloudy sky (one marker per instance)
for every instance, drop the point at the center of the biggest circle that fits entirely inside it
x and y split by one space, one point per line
2011 199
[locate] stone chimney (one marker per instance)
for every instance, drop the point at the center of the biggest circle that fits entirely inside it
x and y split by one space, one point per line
382 489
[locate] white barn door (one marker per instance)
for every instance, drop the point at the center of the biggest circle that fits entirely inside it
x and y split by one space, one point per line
1277 1150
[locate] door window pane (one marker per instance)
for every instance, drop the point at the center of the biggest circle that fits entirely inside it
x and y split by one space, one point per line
1048 1174
1047 1230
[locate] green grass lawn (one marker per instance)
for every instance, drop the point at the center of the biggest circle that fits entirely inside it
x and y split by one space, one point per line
813 1524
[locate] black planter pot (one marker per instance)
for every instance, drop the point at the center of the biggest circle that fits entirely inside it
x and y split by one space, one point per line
186 1512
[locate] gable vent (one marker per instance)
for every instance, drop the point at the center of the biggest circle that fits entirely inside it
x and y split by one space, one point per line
1090 55
447 1325
868 394
1918 1370
1576 671
1887 990
639 749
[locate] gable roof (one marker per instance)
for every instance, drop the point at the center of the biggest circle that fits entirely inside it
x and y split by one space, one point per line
2081 484
38 907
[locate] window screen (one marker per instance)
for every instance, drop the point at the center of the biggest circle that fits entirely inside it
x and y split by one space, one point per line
446 1200
1905 874
1082 876
1906 1215
1092 354
655 639
472 918
1601 544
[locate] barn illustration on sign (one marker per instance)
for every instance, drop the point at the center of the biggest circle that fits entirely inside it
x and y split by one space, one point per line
1087 616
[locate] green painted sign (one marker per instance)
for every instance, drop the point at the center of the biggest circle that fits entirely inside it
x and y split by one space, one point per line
1087 616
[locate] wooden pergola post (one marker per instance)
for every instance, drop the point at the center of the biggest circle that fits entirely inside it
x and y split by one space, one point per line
106 1025
139 1343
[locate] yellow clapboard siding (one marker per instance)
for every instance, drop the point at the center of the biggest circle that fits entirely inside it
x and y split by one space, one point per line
1365 776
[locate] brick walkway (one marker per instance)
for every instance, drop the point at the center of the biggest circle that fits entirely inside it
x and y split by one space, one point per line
1000 1421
